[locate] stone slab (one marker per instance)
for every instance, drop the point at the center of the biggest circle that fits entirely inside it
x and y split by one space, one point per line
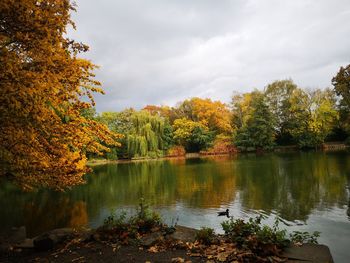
308 253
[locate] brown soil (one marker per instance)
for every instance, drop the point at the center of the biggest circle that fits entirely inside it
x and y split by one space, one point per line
98 252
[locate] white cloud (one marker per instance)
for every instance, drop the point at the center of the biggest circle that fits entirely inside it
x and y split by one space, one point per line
163 51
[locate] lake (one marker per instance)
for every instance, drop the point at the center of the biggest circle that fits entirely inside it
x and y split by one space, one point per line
308 191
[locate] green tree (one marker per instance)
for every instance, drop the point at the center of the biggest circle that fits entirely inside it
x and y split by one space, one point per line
241 110
146 136
194 136
258 132
278 96
200 139
341 83
314 115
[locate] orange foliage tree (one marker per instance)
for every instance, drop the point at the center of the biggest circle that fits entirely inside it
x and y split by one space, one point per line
213 114
43 137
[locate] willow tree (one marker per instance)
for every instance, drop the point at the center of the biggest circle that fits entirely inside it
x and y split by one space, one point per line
146 136
43 136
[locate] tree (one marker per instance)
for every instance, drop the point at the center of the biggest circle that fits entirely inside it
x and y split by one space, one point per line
43 136
241 110
194 136
341 83
213 114
278 96
146 136
314 115
258 132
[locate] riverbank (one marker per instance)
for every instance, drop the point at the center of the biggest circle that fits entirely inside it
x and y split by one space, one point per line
68 245
326 147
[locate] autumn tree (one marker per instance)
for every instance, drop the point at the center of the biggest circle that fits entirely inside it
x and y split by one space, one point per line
43 137
194 136
213 114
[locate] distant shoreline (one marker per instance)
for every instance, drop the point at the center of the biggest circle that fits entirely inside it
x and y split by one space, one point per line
278 149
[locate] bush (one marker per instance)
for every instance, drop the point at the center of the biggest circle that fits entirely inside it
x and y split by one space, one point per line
176 151
145 218
304 237
256 237
121 228
205 235
222 145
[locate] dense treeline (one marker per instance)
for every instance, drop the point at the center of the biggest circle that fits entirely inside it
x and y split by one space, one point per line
282 114
48 130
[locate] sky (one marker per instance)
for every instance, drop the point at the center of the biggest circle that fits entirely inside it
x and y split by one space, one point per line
161 52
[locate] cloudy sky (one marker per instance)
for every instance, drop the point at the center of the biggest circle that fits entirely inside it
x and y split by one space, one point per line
164 51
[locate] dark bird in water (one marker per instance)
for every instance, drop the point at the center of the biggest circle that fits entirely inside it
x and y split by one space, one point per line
226 213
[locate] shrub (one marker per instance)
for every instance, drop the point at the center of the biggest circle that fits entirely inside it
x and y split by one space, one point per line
205 235
257 237
176 151
304 237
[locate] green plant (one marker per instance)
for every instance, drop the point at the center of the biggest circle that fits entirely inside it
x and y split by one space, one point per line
257 237
205 235
114 221
304 237
252 235
145 218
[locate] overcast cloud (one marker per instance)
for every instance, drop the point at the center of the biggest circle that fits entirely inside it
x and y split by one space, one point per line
164 51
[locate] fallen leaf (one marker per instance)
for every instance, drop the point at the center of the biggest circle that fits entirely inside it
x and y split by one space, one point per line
153 249
177 260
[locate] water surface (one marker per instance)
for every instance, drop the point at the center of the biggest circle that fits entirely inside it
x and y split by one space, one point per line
308 191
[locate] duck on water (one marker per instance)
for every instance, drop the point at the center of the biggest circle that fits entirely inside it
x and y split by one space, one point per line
224 213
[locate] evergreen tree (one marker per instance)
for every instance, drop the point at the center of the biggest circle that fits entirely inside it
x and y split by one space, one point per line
258 133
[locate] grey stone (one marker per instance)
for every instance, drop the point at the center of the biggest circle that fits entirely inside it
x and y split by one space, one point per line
308 253
184 234
26 244
50 239
151 239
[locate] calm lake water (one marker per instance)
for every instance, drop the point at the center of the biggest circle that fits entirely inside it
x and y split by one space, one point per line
309 191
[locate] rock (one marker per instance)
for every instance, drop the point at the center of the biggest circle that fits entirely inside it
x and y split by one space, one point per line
26 244
308 253
50 239
151 239
184 234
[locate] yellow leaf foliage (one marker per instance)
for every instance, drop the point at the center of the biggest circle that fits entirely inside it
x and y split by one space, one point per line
213 114
43 137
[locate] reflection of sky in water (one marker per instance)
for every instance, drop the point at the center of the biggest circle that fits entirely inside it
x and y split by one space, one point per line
308 191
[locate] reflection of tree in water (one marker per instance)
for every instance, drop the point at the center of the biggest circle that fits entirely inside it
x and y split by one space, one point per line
195 182
293 185
50 213
290 184
41 211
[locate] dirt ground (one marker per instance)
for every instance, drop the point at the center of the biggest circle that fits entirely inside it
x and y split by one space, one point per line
101 253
